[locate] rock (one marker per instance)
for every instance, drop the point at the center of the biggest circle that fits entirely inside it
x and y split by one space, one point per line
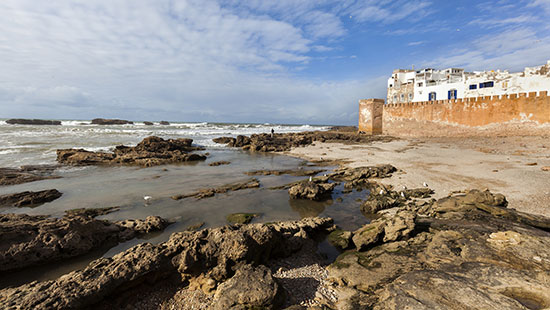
241 218
164 123
376 202
150 151
91 212
208 254
29 199
466 251
340 239
104 121
195 227
224 140
209 192
250 288
30 240
25 174
286 141
219 163
148 123
295 172
311 190
150 224
22 121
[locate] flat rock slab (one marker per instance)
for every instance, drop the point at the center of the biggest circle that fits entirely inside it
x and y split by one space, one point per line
23 121
29 199
27 240
466 251
25 174
210 192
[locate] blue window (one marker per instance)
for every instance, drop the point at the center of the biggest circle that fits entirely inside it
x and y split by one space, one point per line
432 96
451 94
473 86
486 84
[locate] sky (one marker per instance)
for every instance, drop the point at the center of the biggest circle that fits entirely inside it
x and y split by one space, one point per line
276 61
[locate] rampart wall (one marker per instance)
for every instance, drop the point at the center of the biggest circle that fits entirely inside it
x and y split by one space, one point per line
471 112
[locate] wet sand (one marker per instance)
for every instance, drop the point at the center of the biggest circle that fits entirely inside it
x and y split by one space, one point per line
502 164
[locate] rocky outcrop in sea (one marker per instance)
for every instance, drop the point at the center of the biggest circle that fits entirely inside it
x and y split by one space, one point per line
150 151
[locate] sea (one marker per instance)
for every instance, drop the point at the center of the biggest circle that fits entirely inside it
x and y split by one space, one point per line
126 187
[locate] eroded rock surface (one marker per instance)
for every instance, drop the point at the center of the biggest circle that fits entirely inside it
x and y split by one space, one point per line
150 151
27 240
311 190
209 192
250 288
29 199
206 259
13 176
466 251
219 163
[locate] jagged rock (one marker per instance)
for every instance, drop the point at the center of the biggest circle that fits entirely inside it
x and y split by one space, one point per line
286 141
150 151
22 121
219 163
311 190
250 288
467 251
164 123
105 121
209 254
29 199
12 176
209 192
148 123
27 240
241 218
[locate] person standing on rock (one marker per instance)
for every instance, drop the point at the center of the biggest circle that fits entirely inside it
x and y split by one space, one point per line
272 132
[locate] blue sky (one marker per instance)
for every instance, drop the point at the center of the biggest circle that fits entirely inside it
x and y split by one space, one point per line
284 61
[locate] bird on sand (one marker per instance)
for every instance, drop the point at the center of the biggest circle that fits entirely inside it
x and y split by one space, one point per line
147 198
425 184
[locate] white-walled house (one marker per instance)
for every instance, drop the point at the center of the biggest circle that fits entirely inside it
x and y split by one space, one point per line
454 83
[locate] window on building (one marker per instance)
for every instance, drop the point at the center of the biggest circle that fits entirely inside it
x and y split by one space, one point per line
473 86
420 84
410 96
486 84
395 98
451 94
402 98
432 96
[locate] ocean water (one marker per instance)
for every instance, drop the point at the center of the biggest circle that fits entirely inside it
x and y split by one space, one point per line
93 187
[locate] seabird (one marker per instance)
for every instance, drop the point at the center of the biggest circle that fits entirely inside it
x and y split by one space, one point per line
147 198
381 192
404 187
425 184
402 194
310 179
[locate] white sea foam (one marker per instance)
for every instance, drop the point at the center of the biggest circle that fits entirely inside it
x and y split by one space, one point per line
38 144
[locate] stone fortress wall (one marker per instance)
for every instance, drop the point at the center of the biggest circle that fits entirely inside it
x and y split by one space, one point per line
522 113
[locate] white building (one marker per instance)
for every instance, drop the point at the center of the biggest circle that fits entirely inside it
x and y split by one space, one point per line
453 83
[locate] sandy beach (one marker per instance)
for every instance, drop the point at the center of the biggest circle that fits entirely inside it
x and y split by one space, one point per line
508 165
